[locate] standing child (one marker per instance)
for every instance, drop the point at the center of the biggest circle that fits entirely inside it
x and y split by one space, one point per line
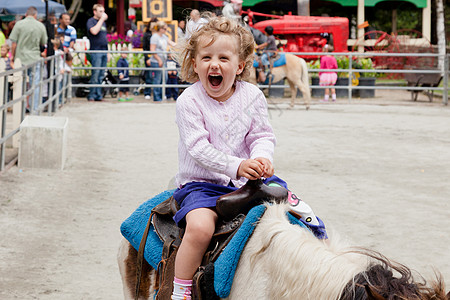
225 136
124 78
9 64
172 78
6 57
328 78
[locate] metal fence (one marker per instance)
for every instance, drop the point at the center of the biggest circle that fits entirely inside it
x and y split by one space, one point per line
21 96
349 72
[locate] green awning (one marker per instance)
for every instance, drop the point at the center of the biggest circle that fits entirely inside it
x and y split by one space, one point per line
252 2
371 3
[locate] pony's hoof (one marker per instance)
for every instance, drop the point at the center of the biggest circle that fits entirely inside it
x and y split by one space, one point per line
307 107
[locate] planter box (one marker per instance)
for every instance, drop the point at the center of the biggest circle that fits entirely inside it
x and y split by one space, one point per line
367 81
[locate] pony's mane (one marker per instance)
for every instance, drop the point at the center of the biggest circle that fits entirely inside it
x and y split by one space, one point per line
299 266
392 280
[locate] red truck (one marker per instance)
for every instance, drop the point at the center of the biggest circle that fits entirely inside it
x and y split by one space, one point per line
305 33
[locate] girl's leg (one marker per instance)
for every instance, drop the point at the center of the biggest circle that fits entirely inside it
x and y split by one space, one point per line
200 226
333 94
327 94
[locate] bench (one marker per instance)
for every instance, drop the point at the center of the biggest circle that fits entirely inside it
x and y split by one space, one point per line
423 80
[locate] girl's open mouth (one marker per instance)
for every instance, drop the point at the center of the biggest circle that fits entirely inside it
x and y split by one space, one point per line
215 80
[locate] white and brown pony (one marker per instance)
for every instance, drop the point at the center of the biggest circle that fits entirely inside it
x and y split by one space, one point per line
296 72
285 261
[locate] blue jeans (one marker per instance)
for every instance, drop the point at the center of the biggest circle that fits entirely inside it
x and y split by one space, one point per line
35 78
265 58
173 91
97 60
148 80
156 78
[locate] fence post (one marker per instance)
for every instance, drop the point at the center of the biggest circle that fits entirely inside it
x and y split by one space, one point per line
2 92
18 107
446 71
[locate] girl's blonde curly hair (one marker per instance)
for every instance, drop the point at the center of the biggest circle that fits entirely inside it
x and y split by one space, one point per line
216 26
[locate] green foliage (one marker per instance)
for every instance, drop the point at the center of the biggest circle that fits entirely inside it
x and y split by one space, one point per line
314 65
366 64
343 63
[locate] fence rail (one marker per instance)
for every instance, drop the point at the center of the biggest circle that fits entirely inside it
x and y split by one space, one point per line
19 94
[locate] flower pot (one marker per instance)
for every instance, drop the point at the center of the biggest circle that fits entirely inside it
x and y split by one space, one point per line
367 81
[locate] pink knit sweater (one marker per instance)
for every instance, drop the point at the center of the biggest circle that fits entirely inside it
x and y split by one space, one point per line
215 137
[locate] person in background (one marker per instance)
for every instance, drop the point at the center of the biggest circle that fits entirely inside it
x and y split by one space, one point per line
69 32
96 28
270 48
146 47
180 29
158 44
124 77
195 23
9 64
27 36
5 56
232 10
328 78
172 78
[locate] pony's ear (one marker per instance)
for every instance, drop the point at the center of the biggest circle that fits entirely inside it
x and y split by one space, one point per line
372 294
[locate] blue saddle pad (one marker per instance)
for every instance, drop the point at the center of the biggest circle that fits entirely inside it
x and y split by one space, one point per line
281 61
224 267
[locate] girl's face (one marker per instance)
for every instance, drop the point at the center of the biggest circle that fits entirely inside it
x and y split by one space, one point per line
3 52
217 66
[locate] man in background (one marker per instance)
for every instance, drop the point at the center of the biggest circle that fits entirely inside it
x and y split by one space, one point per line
27 36
195 23
70 33
96 28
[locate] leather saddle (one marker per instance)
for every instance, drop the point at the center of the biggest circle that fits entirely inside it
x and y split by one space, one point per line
231 208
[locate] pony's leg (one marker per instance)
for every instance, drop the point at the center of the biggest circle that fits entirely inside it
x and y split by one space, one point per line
126 258
293 93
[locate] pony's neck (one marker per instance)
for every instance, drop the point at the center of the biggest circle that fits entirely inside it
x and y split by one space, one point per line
295 264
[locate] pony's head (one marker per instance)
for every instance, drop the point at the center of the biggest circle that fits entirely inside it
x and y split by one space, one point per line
386 280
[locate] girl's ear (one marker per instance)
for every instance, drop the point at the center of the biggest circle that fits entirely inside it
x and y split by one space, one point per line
194 65
241 67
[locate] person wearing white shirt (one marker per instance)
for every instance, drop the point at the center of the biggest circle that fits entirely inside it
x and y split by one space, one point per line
195 23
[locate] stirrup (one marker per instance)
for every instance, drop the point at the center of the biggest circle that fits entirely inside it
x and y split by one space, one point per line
253 193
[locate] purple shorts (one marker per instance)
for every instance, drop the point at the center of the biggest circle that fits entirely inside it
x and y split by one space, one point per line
195 195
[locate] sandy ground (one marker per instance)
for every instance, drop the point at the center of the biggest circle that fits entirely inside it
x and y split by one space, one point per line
375 173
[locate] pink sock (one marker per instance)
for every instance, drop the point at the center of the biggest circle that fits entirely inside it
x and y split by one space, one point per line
181 289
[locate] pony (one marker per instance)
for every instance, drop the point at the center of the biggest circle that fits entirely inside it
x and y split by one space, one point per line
295 71
285 261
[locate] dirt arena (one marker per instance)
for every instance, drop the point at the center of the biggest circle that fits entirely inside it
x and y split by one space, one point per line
376 171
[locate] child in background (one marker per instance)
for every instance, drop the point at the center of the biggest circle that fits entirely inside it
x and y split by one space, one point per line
6 57
328 78
172 78
123 76
225 136
9 64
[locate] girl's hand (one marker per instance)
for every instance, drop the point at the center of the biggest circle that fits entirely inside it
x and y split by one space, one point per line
250 169
268 169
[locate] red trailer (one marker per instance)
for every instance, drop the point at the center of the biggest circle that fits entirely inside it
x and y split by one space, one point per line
306 33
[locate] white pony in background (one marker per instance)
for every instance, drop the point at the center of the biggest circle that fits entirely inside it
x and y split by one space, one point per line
296 72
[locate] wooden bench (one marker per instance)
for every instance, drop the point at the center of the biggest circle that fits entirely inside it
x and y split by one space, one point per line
423 80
